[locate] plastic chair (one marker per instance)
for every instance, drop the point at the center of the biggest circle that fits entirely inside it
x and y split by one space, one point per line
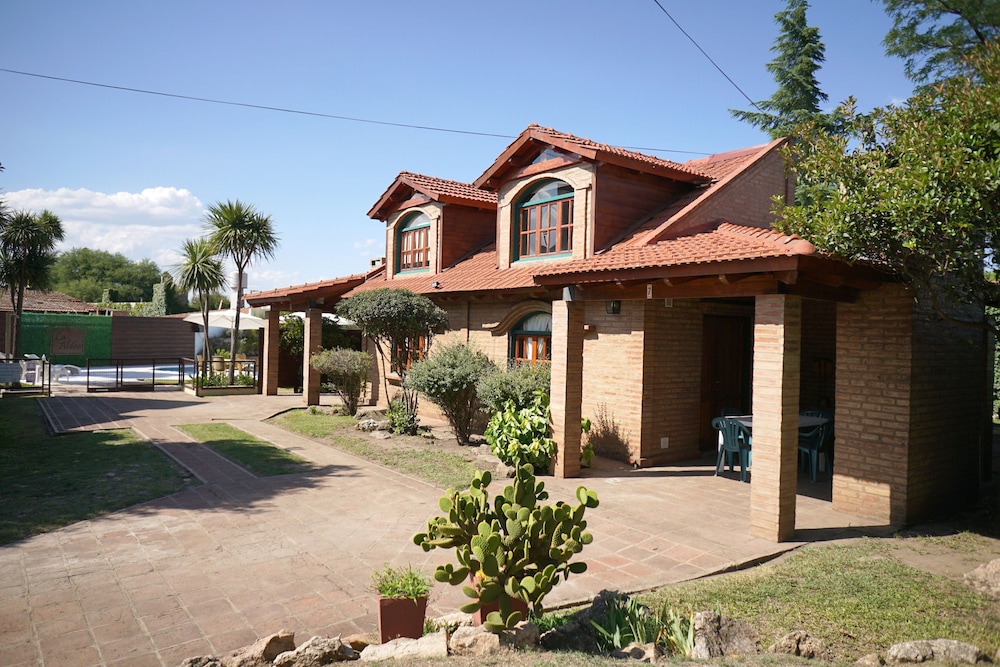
817 440
735 441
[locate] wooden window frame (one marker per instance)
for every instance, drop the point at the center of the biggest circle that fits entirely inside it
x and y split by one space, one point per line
557 234
413 245
538 341
414 353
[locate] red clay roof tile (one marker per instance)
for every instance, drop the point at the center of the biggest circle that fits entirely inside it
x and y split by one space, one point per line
37 301
438 189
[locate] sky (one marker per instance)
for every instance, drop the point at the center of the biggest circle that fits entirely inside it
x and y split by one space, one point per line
134 173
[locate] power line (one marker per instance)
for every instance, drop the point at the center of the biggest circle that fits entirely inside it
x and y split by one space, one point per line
300 112
708 57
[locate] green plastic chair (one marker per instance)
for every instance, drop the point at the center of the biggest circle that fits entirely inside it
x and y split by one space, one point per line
817 440
736 441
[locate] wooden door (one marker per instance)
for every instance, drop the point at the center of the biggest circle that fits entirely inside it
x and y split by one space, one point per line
725 371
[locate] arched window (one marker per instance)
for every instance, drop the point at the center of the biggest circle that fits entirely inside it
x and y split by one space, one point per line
544 220
413 243
531 340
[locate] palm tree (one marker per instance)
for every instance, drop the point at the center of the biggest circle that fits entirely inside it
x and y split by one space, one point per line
27 252
200 270
244 234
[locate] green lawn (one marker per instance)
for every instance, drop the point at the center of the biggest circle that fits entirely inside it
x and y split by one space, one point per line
857 598
47 482
261 458
443 469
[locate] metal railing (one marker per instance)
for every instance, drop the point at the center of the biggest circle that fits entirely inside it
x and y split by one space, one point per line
135 373
26 375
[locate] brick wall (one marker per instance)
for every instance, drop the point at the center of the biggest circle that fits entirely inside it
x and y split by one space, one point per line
874 359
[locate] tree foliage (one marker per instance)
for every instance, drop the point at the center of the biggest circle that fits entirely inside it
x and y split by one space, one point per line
913 188
200 271
347 370
85 274
27 253
244 234
516 383
292 335
799 55
394 319
935 36
448 377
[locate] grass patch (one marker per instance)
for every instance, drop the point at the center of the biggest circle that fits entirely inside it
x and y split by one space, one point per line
261 458
47 482
445 470
856 598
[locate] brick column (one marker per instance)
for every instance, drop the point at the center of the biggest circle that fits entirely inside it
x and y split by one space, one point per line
567 385
269 356
310 346
777 341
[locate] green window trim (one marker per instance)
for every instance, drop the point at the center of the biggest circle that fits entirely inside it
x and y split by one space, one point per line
543 221
413 243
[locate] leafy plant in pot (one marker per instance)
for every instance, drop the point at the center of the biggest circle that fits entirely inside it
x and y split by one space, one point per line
512 551
402 601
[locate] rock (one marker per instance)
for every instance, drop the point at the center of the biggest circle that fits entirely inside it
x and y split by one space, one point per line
453 620
359 641
262 652
801 644
317 652
641 652
202 661
985 578
473 641
381 435
524 635
573 636
870 660
365 413
716 636
941 650
429 646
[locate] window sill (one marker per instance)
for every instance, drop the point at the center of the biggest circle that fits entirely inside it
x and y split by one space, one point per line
543 258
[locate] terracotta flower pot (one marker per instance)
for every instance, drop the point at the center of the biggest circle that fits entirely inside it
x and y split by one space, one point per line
401 617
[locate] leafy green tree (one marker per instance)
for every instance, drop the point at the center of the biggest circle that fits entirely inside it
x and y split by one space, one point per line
394 319
935 36
27 252
85 273
200 270
244 234
448 377
516 383
800 54
914 188
347 370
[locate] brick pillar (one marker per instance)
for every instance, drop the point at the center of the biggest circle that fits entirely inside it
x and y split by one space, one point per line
567 385
777 339
310 346
272 334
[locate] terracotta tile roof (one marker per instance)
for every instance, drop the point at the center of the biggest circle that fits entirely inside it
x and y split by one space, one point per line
720 165
477 273
534 135
726 243
37 301
333 287
438 189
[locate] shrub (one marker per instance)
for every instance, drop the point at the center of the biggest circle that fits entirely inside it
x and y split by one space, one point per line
523 435
448 378
607 437
517 383
347 371
402 419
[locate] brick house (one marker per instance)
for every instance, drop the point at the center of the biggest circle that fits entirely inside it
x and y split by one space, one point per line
659 295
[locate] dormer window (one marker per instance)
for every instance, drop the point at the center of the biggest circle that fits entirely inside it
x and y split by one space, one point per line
545 221
414 242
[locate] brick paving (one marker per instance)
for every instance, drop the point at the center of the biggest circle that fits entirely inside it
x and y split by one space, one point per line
212 568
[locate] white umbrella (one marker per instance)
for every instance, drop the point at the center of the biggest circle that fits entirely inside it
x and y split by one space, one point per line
226 319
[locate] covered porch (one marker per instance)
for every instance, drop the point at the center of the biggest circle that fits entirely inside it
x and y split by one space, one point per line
910 396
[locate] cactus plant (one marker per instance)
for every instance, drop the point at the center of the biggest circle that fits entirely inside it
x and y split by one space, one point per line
513 548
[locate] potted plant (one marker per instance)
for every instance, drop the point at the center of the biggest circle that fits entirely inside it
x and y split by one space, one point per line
514 548
402 601
219 360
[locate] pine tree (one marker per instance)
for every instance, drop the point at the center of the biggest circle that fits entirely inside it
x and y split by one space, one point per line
797 99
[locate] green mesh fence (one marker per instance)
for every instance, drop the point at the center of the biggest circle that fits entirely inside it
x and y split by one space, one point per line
66 339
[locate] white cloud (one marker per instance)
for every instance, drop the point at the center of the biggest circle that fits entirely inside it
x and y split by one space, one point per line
150 224
367 243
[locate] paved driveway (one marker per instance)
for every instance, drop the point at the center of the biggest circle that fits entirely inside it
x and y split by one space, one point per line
212 568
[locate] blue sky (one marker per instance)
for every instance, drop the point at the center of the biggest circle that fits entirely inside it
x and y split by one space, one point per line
133 173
